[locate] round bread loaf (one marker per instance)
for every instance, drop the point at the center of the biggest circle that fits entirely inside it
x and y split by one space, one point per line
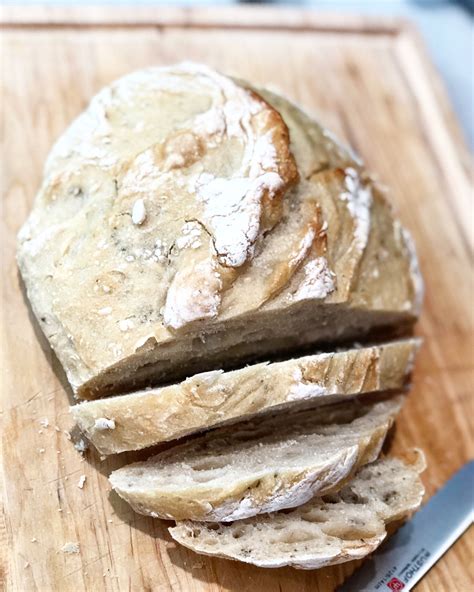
186 220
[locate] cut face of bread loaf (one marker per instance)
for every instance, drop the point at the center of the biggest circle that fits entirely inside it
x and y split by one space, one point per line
258 466
206 400
186 220
327 530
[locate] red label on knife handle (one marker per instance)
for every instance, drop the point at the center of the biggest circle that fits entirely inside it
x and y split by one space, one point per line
395 584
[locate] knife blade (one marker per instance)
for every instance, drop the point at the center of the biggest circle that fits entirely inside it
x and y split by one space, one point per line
405 558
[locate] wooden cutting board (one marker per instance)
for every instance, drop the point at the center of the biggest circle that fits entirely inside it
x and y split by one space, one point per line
371 83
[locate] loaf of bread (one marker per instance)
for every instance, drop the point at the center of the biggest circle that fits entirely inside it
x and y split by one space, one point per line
141 419
327 530
186 221
258 466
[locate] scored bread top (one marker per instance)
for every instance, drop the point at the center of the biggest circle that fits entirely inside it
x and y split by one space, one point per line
258 466
176 218
327 530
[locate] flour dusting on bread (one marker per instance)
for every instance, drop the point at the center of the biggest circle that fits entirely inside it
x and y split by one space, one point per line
319 280
359 200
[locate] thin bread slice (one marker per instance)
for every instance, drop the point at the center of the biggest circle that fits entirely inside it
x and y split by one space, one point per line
327 530
258 466
146 418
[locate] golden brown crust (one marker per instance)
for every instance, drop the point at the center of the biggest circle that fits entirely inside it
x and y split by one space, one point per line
272 205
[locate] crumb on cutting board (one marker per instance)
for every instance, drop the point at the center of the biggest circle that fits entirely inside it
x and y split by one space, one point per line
81 446
71 548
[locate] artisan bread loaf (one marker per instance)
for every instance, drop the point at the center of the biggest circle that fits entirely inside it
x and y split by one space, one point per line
325 531
258 466
145 418
185 221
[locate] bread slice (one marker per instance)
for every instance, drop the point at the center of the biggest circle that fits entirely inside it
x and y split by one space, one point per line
178 228
325 531
209 399
259 466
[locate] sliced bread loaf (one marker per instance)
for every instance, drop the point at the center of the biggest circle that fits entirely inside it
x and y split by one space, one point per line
178 228
258 466
325 531
145 418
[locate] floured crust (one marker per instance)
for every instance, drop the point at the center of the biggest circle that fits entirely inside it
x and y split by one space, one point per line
325 531
177 220
258 466
209 399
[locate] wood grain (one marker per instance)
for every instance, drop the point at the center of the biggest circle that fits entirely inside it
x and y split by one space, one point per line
371 83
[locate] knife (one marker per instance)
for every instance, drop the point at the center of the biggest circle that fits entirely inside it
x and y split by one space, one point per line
405 558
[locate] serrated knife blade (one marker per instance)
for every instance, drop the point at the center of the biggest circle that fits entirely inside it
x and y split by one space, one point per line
405 558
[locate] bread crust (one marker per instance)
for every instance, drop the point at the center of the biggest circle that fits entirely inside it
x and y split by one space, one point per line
182 214
213 398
